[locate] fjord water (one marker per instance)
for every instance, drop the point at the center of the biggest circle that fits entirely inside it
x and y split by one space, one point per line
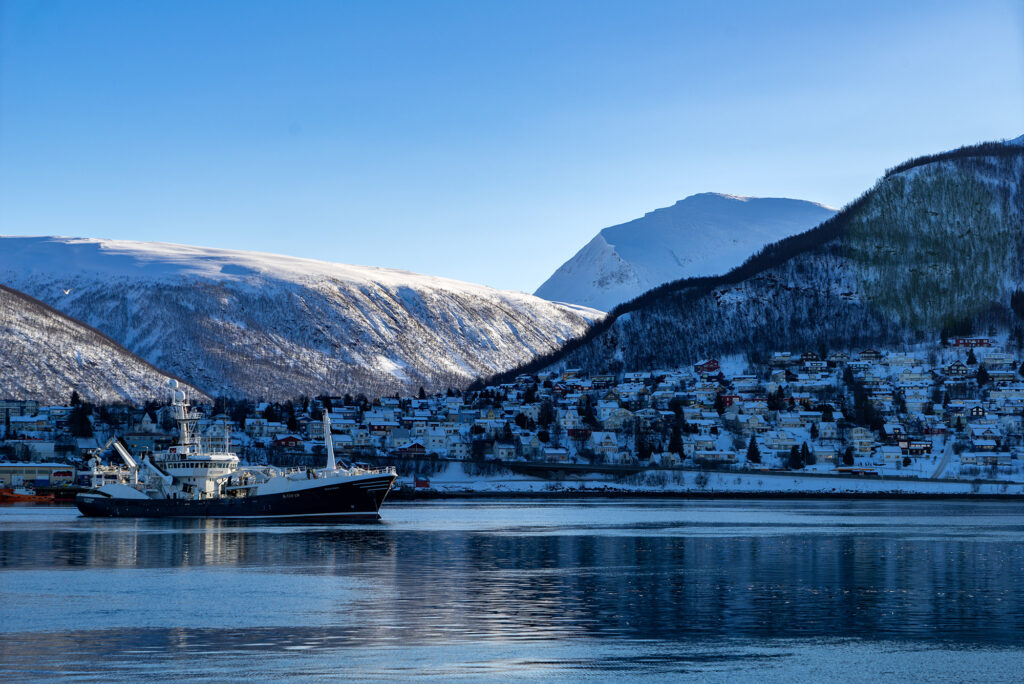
596 590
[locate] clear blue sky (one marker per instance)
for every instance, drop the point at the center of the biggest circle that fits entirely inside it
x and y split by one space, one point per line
484 140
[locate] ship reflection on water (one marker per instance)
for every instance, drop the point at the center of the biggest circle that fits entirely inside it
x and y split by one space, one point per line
545 589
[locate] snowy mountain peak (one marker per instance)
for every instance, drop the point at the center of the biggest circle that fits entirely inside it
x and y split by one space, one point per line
704 234
1016 141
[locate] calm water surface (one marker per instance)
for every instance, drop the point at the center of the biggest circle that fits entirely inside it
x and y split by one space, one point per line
583 590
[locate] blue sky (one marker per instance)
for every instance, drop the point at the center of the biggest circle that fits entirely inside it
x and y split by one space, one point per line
484 141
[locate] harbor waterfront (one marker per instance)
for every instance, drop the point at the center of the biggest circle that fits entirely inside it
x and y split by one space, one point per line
595 589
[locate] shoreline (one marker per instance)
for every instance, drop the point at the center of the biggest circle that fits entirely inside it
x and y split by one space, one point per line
611 493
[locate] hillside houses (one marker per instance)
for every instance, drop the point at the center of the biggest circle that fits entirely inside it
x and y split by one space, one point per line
871 408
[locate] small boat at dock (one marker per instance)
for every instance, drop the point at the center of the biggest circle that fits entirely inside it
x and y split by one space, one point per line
23 495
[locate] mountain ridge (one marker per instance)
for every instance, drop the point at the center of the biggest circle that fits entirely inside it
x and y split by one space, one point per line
261 325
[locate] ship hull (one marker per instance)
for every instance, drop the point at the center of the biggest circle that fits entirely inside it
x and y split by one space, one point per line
359 500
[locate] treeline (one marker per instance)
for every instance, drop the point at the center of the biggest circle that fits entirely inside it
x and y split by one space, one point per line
989 149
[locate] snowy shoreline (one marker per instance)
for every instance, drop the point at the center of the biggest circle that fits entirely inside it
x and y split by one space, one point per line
614 493
454 482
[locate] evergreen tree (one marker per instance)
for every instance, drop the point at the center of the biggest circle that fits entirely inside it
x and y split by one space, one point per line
806 455
643 448
239 413
753 453
848 459
422 393
675 441
587 413
546 414
814 431
795 462
983 377
75 399
78 421
972 360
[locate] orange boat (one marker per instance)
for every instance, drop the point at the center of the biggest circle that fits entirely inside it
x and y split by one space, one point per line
23 495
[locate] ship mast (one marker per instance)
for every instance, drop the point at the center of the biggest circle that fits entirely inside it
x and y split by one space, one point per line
187 433
329 442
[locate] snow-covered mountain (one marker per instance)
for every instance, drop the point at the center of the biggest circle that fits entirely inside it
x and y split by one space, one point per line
45 355
935 248
702 235
262 325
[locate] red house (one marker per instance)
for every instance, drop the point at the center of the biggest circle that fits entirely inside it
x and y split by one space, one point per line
707 367
582 434
288 442
410 450
972 342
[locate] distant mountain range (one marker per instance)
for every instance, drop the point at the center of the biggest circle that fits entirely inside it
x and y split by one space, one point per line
45 355
934 248
260 325
702 235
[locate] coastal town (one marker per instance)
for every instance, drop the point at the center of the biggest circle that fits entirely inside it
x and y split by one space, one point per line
949 413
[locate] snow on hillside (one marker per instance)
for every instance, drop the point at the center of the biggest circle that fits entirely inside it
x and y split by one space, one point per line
273 326
44 355
705 234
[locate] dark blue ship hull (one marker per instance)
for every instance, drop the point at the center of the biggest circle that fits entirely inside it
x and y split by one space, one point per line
358 500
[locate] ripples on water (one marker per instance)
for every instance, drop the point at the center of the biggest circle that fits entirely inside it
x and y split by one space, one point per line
765 590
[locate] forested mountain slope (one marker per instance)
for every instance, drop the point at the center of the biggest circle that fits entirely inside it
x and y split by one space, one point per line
240 323
45 355
936 246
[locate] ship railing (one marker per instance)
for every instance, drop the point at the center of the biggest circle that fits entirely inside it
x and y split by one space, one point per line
352 470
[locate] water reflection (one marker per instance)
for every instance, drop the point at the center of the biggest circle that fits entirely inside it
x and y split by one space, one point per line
77 591
178 543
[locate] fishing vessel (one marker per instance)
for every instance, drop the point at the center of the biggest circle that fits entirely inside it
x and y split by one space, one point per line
187 481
